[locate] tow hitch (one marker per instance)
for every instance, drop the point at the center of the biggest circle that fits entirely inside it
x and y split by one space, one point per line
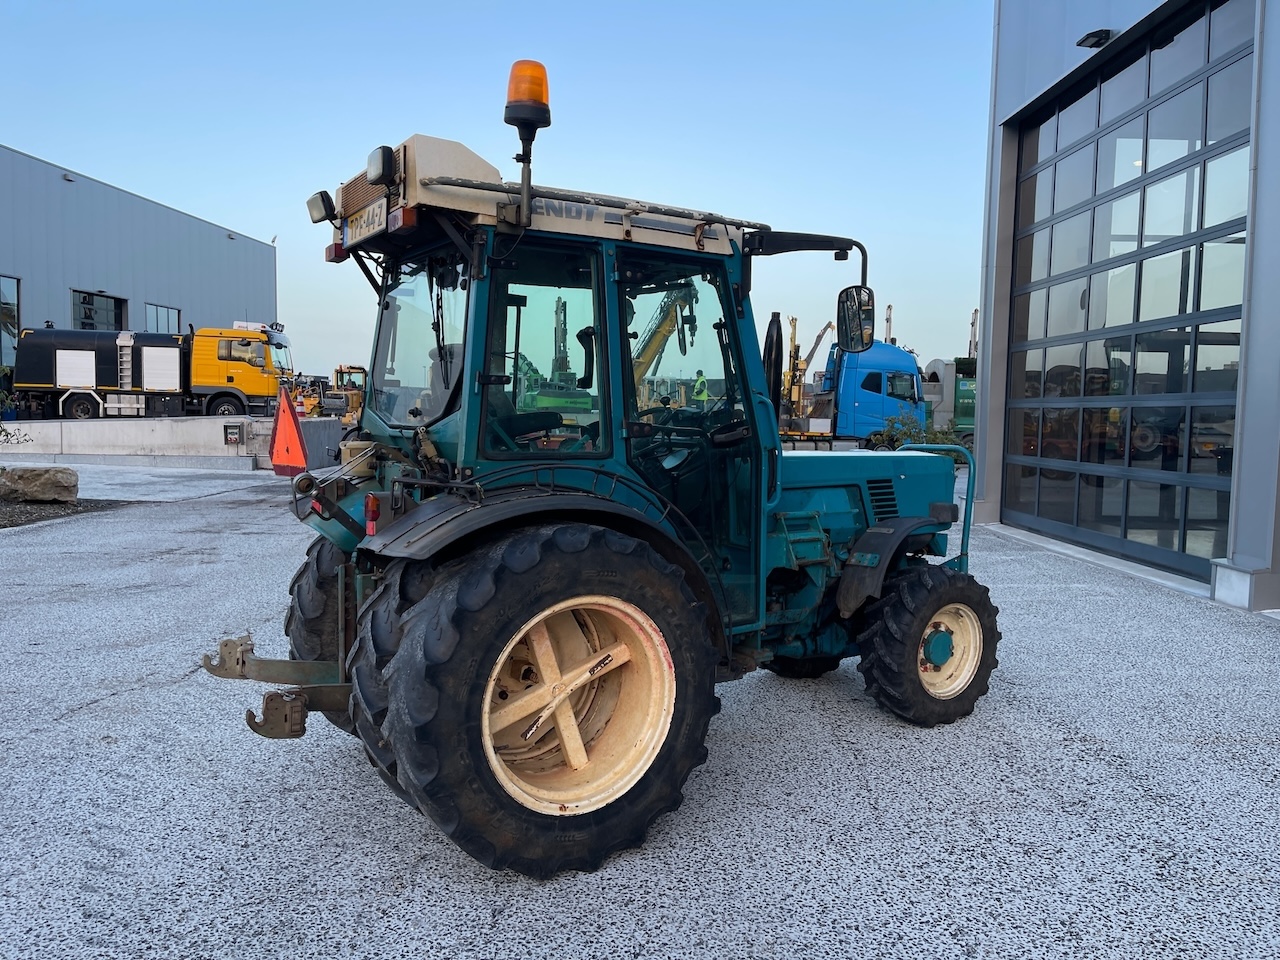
320 685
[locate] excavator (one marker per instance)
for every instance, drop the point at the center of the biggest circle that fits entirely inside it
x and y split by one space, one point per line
674 315
794 401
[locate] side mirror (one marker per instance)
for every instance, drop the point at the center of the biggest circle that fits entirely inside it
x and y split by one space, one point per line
855 318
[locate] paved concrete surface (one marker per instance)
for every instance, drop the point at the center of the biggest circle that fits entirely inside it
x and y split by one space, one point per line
1115 796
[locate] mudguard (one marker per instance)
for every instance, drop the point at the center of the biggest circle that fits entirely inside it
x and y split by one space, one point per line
872 553
450 519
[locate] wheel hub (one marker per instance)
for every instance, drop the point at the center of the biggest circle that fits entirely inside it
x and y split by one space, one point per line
578 705
938 646
950 651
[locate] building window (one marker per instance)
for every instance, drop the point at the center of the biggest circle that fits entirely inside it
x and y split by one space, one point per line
162 319
9 319
1126 306
95 311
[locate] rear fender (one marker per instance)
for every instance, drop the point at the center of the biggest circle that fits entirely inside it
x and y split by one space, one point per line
447 525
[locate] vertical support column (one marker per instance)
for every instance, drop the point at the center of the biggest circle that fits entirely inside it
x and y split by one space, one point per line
1249 576
993 335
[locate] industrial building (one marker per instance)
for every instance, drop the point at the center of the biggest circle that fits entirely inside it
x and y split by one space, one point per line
1130 377
79 253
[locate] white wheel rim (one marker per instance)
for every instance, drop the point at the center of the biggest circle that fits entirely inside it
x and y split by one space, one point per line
578 705
953 677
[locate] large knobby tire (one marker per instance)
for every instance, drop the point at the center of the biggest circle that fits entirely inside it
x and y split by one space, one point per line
379 630
929 645
806 668
312 621
550 696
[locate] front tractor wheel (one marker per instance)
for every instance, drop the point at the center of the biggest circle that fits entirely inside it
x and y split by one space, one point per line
929 645
550 697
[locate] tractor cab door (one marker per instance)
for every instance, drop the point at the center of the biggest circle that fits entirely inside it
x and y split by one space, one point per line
689 426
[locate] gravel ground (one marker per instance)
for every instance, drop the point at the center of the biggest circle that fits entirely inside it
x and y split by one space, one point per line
1115 795
15 514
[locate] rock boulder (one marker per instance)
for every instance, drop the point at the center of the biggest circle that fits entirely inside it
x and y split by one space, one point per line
39 484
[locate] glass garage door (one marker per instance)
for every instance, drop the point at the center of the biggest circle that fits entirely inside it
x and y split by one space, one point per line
1128 280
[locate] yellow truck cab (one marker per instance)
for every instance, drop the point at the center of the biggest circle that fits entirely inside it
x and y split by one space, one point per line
238 370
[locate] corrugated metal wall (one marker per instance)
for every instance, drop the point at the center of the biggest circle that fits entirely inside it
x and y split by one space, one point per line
60 231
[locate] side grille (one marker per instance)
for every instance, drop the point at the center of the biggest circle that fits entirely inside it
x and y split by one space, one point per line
884 503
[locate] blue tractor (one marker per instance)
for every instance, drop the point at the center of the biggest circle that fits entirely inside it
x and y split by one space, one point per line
523 611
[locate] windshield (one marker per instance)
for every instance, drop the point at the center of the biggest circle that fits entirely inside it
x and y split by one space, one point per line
418 351
280 358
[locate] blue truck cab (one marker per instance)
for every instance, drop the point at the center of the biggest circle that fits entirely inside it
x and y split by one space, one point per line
869 387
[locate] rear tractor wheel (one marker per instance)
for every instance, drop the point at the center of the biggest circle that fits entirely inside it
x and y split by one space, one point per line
312 621
929 646
550 697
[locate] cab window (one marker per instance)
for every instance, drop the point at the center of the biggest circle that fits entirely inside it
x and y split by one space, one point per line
902 386
871 382
244 351
417 354
544 371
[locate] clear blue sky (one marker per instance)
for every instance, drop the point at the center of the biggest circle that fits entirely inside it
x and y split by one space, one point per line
859 118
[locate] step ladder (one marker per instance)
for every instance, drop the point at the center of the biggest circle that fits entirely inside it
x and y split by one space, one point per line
124 349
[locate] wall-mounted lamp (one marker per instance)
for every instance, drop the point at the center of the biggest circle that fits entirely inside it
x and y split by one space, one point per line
1094 39
231 236
69 178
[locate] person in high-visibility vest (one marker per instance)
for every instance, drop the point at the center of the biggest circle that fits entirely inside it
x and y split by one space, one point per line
700 394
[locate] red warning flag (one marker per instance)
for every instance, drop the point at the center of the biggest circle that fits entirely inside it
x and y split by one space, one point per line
287 449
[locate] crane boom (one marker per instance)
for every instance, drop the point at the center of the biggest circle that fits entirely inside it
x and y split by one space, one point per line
665 319
808 357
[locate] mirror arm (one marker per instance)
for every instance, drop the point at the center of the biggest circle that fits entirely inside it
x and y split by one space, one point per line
862 250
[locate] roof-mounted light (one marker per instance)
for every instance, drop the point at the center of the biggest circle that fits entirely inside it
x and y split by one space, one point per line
320 207
528 110
381 169
528 105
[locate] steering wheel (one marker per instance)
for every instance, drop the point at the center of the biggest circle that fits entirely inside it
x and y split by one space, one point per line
667 409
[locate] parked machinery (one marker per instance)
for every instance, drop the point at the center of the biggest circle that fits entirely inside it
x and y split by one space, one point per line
522 611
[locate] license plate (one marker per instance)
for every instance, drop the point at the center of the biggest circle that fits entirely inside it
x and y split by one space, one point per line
369 222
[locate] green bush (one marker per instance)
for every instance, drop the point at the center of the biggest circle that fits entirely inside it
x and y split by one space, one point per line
907 429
